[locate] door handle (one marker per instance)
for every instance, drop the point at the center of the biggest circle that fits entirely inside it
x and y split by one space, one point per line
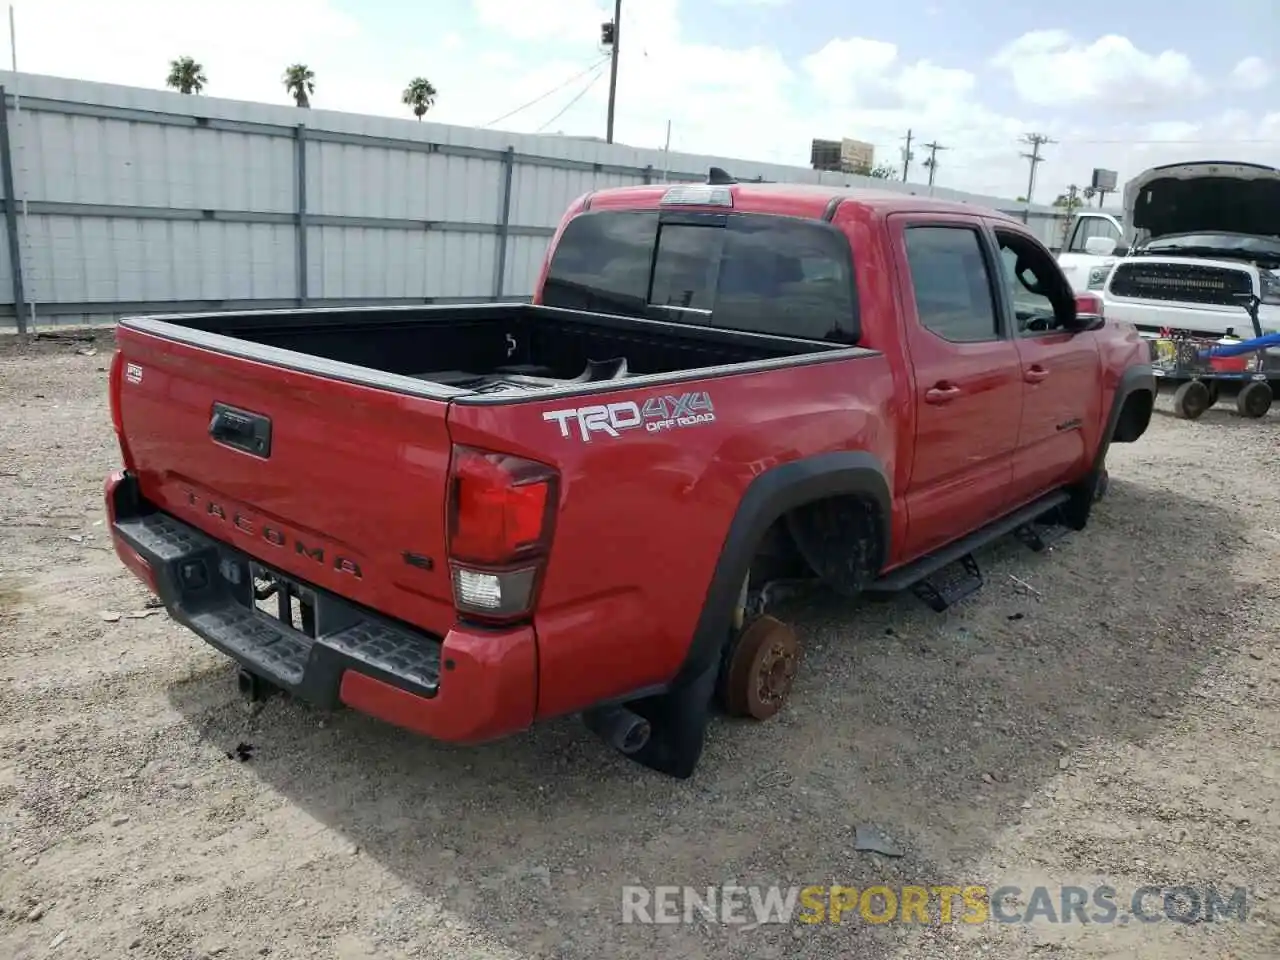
1035 374
941 393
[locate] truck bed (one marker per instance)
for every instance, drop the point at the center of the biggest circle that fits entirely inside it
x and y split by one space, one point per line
483 349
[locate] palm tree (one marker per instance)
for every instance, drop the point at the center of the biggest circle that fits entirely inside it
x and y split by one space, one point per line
420 95
300 81
186 76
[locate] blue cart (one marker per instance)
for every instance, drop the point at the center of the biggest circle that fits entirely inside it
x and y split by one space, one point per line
1203 365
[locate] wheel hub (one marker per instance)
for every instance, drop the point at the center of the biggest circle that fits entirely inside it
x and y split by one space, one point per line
762 668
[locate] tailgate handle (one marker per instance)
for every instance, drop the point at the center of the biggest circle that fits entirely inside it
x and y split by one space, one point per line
241 430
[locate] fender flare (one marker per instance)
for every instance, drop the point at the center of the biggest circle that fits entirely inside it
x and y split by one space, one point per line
768 497
1136 378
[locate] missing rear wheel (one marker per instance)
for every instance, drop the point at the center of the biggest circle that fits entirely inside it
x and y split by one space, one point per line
762 668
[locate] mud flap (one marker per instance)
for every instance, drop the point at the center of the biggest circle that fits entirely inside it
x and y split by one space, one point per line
678 725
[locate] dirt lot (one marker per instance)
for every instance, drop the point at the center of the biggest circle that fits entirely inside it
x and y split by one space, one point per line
1114 724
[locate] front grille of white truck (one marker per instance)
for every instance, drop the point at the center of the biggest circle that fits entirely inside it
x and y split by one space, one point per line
1181 283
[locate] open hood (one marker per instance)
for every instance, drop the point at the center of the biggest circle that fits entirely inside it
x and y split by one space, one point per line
1204 196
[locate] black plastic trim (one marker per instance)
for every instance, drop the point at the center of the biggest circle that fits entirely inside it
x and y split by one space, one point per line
769 496
1138 377
931 563
241 430
216 604
833 205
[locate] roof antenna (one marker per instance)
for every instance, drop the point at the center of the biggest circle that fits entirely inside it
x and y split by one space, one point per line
718 176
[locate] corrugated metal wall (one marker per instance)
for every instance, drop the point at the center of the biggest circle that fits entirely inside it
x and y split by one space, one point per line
131 201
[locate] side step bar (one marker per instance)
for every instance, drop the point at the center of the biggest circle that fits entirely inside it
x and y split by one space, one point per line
1033 524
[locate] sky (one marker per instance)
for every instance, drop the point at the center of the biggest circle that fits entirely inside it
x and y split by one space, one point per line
1116 84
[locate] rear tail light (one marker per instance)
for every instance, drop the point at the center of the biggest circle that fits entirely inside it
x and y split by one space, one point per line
501 513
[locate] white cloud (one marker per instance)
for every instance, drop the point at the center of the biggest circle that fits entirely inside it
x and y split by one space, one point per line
567 20
746 101
1251 73
841 68
1052 68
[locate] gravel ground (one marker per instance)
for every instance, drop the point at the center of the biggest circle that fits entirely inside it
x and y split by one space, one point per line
1108 717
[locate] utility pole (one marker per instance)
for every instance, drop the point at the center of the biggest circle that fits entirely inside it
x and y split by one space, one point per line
613 67
1035 141
906 157
1073 192
932 162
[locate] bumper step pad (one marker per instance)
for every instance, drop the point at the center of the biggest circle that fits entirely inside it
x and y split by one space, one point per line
208 587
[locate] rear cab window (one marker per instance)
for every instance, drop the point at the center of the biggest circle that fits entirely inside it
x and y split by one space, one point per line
741 271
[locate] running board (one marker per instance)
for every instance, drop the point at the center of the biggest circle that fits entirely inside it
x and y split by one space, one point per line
944 592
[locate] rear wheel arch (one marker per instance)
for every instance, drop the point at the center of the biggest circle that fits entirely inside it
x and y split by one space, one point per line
797 496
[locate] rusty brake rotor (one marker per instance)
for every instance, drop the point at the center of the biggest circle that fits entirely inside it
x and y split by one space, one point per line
762 668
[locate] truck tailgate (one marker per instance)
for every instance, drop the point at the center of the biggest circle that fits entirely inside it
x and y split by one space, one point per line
338 484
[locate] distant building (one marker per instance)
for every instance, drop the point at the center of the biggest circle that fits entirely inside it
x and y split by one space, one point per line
842 156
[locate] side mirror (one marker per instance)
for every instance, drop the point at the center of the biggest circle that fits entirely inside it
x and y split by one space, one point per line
1088 313
1100 246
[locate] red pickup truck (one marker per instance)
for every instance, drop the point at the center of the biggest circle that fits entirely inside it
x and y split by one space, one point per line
463 519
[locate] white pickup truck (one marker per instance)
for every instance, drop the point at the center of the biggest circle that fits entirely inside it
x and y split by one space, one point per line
1194 241
1095 243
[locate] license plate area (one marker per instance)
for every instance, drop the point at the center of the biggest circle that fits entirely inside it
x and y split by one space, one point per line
283 601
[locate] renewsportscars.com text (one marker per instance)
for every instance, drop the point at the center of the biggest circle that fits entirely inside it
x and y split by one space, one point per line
938 904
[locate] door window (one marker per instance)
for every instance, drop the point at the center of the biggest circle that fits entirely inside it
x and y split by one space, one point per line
1091 227
1034 284
951 283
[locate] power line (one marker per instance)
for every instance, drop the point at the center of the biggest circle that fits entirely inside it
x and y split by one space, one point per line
932 162
541 97
580 94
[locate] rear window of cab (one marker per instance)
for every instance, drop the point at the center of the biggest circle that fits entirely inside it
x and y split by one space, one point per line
738 271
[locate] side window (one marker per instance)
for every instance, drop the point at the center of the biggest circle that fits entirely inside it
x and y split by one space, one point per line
951 283
602 263
1034 285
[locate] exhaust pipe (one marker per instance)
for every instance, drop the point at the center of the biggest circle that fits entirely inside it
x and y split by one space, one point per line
253 687
625 731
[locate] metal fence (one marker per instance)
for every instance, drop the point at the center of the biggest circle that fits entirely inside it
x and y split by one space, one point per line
120 200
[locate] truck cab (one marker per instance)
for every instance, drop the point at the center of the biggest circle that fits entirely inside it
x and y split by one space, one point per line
1095 243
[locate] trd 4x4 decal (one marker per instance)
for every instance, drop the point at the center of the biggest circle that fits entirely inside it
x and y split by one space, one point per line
655 415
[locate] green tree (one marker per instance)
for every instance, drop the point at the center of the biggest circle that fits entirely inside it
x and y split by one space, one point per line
420 95
881 171
300 81
186 76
